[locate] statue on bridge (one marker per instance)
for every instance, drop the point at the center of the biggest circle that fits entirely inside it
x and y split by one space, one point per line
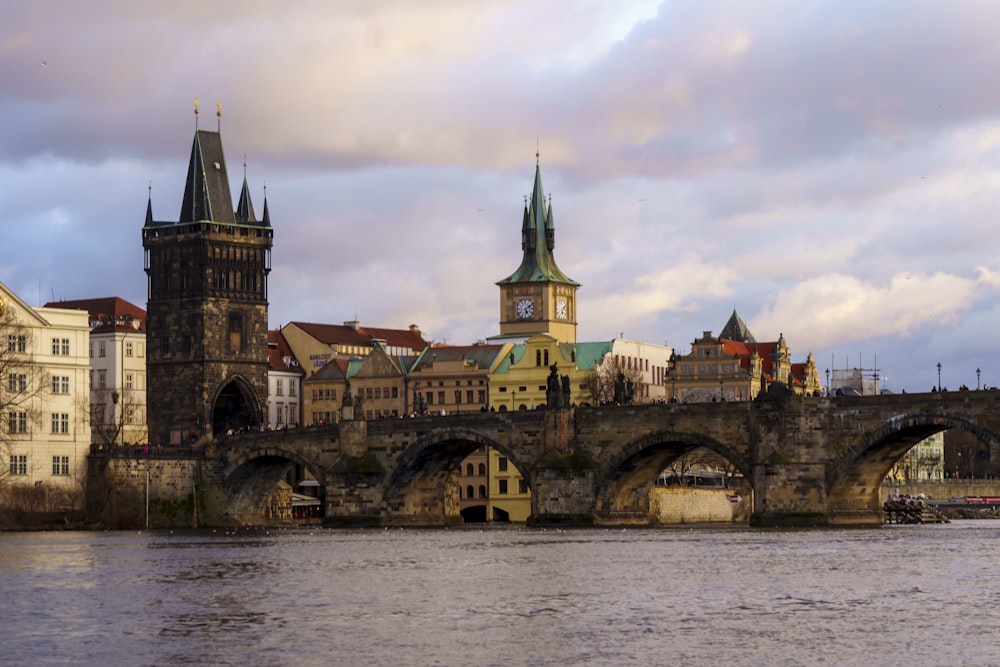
557 389
624 389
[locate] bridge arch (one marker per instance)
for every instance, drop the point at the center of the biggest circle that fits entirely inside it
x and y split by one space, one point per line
253 474
623 485
854 478
415 493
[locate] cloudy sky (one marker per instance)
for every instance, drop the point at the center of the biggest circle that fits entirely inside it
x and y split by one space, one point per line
830 170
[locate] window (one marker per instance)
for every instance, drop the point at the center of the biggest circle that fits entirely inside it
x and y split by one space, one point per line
60 422
60 384
502 487
102 379
128 348
482 469
129 415
469 470
17 422
468 396
18 464
395 392
142 350
378 392
279 387
60 465
291 388
522 486
91 349
17 343
502 464
470 492
129 381
60 346
17 382
482 490
482 396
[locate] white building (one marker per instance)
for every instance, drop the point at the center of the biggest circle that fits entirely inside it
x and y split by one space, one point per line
650 359
284 383
117 369
45 434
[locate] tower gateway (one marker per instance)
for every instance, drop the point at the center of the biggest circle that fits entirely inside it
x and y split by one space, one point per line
538 297
207 306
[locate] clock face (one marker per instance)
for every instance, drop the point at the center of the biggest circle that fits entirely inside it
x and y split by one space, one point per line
561 309
525 308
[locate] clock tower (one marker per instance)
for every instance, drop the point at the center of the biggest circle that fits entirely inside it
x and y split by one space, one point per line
538 297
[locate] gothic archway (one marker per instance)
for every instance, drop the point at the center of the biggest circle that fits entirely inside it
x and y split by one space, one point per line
236 408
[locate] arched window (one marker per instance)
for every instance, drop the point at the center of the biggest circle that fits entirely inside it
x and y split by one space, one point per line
468 470
482 468
482 491
538 357
546 357
470 492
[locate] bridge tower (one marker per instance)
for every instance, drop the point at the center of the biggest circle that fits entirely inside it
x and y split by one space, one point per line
206 305
538 297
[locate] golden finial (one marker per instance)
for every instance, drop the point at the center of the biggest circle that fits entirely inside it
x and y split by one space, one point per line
218 118
196 106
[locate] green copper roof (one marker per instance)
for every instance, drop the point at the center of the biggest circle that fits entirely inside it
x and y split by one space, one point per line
538 239
589 354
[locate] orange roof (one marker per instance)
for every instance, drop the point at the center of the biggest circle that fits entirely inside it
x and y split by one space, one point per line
345 334
107 314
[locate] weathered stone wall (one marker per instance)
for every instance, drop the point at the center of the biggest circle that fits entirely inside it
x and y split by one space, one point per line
173 486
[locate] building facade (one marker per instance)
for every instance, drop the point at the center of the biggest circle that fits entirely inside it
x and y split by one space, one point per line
284 384
738 367
207 306
117 370
44 374
314 345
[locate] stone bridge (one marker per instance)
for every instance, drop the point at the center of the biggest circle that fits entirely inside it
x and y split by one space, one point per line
810 461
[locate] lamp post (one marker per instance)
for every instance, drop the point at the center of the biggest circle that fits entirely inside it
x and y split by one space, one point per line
827 381
977 379
939 375
722 395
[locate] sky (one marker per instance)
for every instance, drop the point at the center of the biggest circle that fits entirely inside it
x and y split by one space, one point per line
830 170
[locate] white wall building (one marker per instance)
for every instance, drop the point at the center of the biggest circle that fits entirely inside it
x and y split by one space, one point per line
651 359
45 437
284 384
117 369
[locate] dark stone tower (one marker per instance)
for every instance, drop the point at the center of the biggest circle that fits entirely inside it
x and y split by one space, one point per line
207 306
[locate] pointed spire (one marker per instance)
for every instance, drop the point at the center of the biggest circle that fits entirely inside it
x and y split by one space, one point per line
149 206
244 209
538 238
266 218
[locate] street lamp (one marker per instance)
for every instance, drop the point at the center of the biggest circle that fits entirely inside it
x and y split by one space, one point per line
827 381
939 375
977 379
722 395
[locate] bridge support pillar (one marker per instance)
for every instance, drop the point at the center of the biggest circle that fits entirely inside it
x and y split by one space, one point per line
562 490
788 493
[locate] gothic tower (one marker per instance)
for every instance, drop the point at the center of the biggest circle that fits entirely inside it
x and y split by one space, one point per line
207 306
538 297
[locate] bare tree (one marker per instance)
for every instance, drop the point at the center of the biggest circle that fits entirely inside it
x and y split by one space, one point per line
115 417
614 382
22 380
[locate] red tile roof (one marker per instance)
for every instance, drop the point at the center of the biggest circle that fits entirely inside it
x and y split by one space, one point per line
107 314
345 334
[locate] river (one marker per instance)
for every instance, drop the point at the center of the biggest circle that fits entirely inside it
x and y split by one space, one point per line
896 595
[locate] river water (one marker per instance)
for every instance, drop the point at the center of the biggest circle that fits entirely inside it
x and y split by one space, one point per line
736 596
